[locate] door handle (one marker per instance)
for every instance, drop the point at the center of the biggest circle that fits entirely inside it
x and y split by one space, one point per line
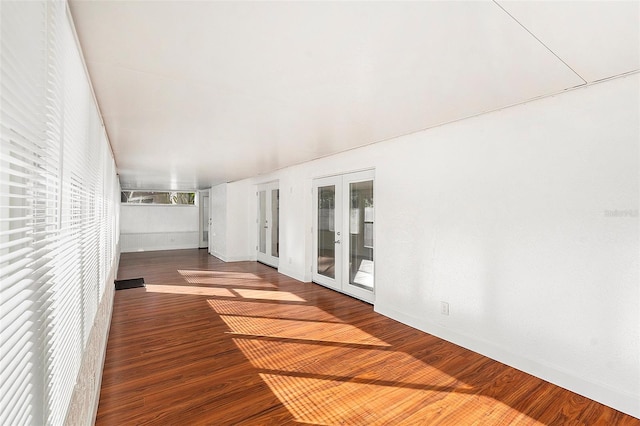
336 242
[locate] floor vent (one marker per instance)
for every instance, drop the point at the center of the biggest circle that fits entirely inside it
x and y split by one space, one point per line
131 283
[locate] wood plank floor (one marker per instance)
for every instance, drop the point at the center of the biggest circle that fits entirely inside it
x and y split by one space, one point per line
216 343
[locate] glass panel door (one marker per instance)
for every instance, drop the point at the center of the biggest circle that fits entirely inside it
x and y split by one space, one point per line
268 244
326 231
275 225
344 234
327 266
361 234
358 261
262 222
205 220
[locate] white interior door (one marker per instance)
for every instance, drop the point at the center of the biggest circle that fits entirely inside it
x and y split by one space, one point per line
327 247
344 233
205 219
268 248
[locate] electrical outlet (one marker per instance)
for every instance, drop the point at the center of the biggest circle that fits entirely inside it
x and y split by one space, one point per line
444 308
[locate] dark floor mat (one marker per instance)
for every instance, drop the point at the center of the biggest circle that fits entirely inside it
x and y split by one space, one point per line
130 283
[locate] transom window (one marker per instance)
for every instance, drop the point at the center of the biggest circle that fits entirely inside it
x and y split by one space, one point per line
158 197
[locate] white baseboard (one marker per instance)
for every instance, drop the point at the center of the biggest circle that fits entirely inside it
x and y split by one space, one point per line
291 273
153 241
619 400
225 258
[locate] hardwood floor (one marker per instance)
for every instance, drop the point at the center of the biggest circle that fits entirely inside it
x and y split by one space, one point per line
216 343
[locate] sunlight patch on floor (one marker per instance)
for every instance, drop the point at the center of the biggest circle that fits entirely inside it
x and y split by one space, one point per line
219 274
390 368
226 282
192 290
278 296
224 278
283 296
301 330
273 310
328 402
322 402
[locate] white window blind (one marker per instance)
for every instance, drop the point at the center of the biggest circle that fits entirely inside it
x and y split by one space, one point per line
24 253
59 197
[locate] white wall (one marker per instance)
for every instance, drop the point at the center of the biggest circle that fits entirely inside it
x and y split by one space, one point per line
524 220
238 226
218 231
157 227
230 204
230 227
506 219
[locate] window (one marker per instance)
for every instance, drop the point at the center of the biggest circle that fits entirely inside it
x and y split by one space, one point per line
58 212
158 197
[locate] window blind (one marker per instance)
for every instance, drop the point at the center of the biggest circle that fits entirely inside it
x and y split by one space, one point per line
59 197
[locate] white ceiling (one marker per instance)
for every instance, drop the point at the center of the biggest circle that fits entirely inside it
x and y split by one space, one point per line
198 93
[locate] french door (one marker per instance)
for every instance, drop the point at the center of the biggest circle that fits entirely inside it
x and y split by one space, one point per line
268 247
205 219
343 257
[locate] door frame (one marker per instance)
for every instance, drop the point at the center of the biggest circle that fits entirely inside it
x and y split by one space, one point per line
204 223
267 258
334 283
340 282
